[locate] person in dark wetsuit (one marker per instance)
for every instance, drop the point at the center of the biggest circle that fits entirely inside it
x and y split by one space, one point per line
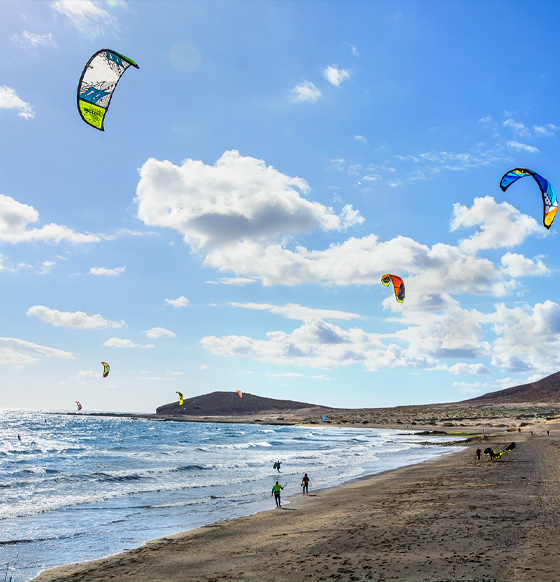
276 492
305 485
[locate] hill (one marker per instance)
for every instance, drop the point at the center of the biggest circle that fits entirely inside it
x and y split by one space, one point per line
230 404
543 391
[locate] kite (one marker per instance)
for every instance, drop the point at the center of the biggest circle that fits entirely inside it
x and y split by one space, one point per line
180 398
97 83
398 285
323 418
548 194
106 369
79 405
494 455
240 393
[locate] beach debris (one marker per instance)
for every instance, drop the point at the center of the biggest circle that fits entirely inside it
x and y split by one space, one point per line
493 455
550 204
398 285
97 83
180 398
106 369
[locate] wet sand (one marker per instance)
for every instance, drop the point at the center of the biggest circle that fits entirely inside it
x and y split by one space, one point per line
452 518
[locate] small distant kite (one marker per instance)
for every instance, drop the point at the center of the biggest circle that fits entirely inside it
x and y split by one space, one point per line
488 451
398 285
239 393
180 398
323 418
106 369
97 83
548 194
78 405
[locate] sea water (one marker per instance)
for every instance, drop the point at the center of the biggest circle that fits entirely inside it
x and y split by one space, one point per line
79 487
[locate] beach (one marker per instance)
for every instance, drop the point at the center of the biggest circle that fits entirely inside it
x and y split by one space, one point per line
450 518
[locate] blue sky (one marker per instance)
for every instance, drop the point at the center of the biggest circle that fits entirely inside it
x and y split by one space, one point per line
259 173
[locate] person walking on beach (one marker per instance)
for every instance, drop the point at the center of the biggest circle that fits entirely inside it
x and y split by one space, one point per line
276 492
478 451
305 485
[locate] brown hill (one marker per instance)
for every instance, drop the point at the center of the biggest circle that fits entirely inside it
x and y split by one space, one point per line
545 391
229 404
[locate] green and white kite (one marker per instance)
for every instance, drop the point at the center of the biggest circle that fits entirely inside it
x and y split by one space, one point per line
97 83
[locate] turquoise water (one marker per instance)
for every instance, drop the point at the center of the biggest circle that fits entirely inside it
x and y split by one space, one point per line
77 487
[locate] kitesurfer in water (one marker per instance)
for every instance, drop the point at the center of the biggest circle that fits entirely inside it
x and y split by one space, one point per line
305 485
278 466
276 492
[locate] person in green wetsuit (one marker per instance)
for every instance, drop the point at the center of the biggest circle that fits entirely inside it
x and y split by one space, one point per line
276 492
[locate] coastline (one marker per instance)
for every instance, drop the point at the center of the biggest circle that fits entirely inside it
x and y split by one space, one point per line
451 518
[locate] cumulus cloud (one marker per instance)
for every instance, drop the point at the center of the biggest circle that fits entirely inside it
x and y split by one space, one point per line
117 342
77 319
178 303
318 344
16 217
157 332
528 338
304 92
103 272
236 199
10 100
87 16
501 224
336 76
34 40
475 369
516 265
19 352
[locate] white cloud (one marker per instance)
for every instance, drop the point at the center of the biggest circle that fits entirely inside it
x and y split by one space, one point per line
15 218
516 265
179 302
10 100
522 147
18 352
116 342
547 130
336 76
233 281
318 344
294 311
360 138
157 332
33 40
77 319
102 271
529 338
518 127
475 369
305 92
87 16
172 373
501 224
82 376
46 267
236 199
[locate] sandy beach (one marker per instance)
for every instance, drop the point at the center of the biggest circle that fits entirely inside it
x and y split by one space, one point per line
452 518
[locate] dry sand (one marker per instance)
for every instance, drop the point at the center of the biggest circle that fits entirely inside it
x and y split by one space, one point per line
452 518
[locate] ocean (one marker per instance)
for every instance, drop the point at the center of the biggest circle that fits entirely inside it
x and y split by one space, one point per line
78 487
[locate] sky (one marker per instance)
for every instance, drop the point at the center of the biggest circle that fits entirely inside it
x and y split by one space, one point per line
258 174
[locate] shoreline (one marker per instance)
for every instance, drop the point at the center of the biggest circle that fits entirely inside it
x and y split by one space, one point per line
452 518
